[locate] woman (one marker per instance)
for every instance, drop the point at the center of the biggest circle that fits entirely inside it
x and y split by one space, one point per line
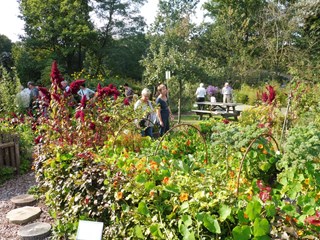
163 111
84 91
145 106
201 93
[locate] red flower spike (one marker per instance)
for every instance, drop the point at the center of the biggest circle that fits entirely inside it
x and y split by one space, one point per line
83 101
75 85
126 102
55 75
45 93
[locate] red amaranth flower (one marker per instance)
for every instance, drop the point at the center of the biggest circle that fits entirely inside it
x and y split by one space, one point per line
106 119
75 85
83 101
46 94
126 102
92 126
56 97
80 114
225 121
38 139
55 75
269 96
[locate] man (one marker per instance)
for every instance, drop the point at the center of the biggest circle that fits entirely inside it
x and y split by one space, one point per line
227 93
23 98
128 92
34 94
65 86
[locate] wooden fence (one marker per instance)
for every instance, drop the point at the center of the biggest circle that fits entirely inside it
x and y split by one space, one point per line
9 151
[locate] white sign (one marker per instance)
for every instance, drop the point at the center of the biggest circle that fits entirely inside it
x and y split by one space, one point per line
168 74
89 230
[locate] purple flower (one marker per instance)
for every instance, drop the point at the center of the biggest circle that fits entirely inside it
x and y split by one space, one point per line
212 90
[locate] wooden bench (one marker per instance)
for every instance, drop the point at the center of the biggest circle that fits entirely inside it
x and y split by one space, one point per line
212 113
202 112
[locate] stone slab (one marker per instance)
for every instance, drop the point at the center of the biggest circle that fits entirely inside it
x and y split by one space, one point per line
35 231
23 215
23 200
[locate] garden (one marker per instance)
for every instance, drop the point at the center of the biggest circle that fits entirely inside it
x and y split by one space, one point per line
256 178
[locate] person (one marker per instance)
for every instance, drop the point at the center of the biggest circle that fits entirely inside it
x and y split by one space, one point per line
201 93
23 98
65 86
84 91
34 94
163 111
128 92
227 93
144 104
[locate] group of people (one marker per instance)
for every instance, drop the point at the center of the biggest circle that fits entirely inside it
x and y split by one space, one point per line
201 93
35 99
160 115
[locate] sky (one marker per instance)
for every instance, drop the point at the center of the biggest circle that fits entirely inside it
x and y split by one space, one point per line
11 26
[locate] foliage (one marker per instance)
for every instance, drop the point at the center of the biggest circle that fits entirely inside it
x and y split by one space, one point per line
9 87
6 173
305 106
229 184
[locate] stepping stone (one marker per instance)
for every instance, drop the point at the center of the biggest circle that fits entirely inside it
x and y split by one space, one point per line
23 200
35 231
23 215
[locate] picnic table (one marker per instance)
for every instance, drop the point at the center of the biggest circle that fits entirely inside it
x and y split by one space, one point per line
218 108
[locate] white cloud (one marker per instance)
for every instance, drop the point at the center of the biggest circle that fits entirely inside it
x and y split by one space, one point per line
10 25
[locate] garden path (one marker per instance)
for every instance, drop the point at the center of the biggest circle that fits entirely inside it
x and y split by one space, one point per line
14 187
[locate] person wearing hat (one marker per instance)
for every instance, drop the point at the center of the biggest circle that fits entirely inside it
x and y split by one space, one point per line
201 93
227 93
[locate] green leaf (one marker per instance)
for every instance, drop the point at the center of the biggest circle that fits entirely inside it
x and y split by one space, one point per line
211 224
106 182
184 207
186 220
140 178
138 232
270 210
183 229
155 231
149 185
262 238
142 208
172 189
241 217
261 227
253 209
264 166
241 233
224 212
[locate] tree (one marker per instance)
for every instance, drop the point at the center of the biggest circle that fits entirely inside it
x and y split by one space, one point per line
119 21
63 27
171 48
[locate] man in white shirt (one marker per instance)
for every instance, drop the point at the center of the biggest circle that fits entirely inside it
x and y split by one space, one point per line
23 98
227 93
201 93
